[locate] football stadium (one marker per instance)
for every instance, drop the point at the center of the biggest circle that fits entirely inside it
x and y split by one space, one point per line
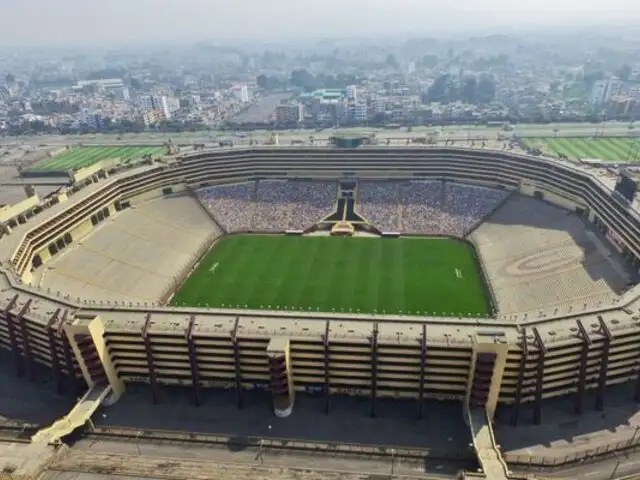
488 278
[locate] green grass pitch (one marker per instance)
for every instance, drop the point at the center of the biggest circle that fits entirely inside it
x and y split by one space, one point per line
609 149
86 156
409 276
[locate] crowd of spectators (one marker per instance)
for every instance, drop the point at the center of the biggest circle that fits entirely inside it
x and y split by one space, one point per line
421 209
470 205
431 207
231 205
378 203
269 205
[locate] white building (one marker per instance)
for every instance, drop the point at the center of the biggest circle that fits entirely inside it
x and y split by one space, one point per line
169 106
358 112
105 83
147 102
604 90
241 93
352 93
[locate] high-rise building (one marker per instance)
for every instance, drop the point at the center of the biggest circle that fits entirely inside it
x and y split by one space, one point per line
169 106
604 90
352 93
241 92
358 112
153 117
289 113
148 102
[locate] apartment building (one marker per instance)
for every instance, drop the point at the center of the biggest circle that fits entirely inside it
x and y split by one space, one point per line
153 117
167 105
604 90
289 113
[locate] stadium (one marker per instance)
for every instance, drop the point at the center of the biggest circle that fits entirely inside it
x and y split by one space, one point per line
489 278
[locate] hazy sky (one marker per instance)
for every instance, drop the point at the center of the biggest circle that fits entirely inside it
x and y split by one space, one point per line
36 22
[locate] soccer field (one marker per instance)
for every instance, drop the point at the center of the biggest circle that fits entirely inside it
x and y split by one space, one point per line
609 149
86 156
409 276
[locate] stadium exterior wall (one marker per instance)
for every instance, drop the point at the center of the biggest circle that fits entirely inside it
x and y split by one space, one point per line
377 357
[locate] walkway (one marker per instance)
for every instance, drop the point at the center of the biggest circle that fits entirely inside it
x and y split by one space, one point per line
489 457
77 417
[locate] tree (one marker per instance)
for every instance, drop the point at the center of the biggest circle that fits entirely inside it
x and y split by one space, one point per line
302 78
392 61
429 61
442 90
468 90
486 91
262 81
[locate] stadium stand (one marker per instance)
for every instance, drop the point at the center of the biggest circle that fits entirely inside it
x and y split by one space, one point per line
432 208
378 202
538 255
515 361
270 206
231 205
136 257
465 206
422 208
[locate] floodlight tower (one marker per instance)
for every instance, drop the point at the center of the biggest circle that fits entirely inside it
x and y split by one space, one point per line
633 156
601 126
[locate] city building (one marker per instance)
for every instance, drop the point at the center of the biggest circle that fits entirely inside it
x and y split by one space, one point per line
90 118
289 113
147 102
153 117
604 90
169 106
358 112
621 106
326 95
352 93
241 93
104 83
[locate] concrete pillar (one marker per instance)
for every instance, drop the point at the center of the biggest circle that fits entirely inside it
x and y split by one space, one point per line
281 378
91 327
493 349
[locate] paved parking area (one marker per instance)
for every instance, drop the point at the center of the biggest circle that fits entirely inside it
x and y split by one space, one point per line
563 432
396 424
26 402
260 111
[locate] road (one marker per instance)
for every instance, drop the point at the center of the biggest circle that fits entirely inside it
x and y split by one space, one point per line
140 458
285 136
614 468
261 110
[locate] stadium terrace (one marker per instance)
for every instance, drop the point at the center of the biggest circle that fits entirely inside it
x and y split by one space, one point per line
506 279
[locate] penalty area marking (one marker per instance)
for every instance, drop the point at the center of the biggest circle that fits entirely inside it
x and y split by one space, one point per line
213 268
458 273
